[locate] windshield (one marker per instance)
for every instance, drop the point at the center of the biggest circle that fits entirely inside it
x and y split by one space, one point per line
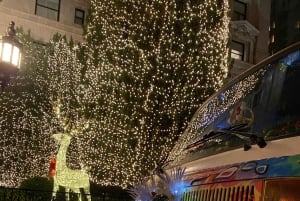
265 100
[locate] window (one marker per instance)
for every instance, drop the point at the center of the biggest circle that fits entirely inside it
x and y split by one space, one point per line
79 16
282 189
48 9
237 50
239 10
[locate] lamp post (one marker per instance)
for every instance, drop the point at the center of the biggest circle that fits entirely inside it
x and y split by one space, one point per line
10 55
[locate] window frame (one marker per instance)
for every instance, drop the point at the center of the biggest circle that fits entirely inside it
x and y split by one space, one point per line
38 4
237 15
240 56
79 19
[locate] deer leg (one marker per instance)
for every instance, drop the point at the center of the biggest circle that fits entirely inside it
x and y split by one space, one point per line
55 189
77 192
87 193
67 194
79 195
88 196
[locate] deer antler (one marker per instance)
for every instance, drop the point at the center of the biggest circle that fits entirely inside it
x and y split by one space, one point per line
80 127
63 120
77 127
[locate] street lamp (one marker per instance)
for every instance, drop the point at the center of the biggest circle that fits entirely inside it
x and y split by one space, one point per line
10 55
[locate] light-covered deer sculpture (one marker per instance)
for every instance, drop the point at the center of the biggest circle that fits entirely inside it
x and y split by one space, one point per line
70 179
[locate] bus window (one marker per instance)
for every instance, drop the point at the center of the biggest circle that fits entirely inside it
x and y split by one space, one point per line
282 190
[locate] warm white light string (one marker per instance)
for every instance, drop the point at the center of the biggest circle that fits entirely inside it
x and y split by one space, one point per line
141 75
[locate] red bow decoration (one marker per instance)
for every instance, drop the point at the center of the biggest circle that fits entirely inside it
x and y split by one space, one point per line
52 168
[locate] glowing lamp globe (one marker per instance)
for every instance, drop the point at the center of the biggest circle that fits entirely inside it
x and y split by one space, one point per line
10 52
10 55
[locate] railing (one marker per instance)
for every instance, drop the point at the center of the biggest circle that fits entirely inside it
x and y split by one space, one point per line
14 194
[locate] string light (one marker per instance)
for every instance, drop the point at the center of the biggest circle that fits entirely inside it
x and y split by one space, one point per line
210 111
148 66
166 58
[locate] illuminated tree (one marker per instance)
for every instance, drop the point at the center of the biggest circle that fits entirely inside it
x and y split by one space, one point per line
50 75
153 62
144 69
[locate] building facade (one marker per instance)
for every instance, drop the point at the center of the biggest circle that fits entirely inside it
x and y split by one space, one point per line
249 34
258 27
44 18
285 24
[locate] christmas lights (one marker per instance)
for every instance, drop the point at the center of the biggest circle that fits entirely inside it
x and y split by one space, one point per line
211 110
165 57
147 67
